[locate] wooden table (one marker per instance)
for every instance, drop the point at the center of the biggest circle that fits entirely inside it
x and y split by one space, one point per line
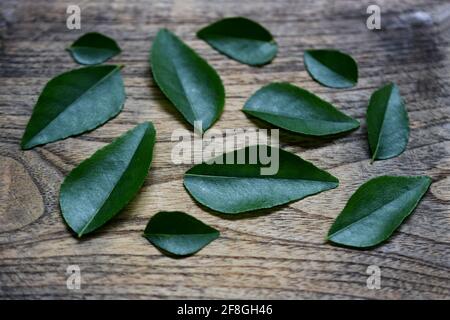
278 254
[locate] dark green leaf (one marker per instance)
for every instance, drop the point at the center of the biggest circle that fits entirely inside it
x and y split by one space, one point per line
236 188
179 233
189 82
295 109
93 48
331 68
376 209
387 123
241 39
74 102
102 185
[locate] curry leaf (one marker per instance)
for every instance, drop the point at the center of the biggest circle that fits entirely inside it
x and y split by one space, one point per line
93 48
387 123
331 68
236 185
189 82
241 39
179 233
298 110
376 209
102 185
74 102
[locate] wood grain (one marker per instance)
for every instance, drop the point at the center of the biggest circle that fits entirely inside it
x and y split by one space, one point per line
278 253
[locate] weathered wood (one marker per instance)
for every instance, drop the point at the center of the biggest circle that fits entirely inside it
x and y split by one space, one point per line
277 255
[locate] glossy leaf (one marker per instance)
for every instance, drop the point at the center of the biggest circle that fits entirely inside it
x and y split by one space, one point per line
241 39
298 110
75 102
387 123
93 48
235 188
377 209
189 82
331 68
179 233
102 185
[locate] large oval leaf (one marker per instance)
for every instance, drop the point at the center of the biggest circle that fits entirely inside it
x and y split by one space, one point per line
93 48
387 123
74 102
376 209
189 82
298 110
179 233
331 68
102 185
235 188
241 39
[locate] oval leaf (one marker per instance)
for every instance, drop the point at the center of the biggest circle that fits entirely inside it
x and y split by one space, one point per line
331 68
236 188
74 102
387 123
298 110
376 209
189 82
93 48
179 233
240 39
102 185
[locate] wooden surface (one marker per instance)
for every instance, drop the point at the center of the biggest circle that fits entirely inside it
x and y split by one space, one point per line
277 254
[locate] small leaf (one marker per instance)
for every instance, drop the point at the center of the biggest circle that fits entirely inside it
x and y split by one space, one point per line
74 102
331 68
93 48
102 185
179 233
387 123
240 39
189 82
376 209
298 110
236 188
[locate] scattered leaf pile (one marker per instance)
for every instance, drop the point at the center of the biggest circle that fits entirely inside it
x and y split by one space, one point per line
97 189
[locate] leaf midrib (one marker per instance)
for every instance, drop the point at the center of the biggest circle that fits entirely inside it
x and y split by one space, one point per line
271 41
76 100
382 124
94 47
305 119
114 188
374 211
179 234
259 178
332 70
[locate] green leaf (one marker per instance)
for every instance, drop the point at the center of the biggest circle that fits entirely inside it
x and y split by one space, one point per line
74 102
235 188
240 39
331 68
179 233
298 110
376 209
189 82
102 185
387 123
93 48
